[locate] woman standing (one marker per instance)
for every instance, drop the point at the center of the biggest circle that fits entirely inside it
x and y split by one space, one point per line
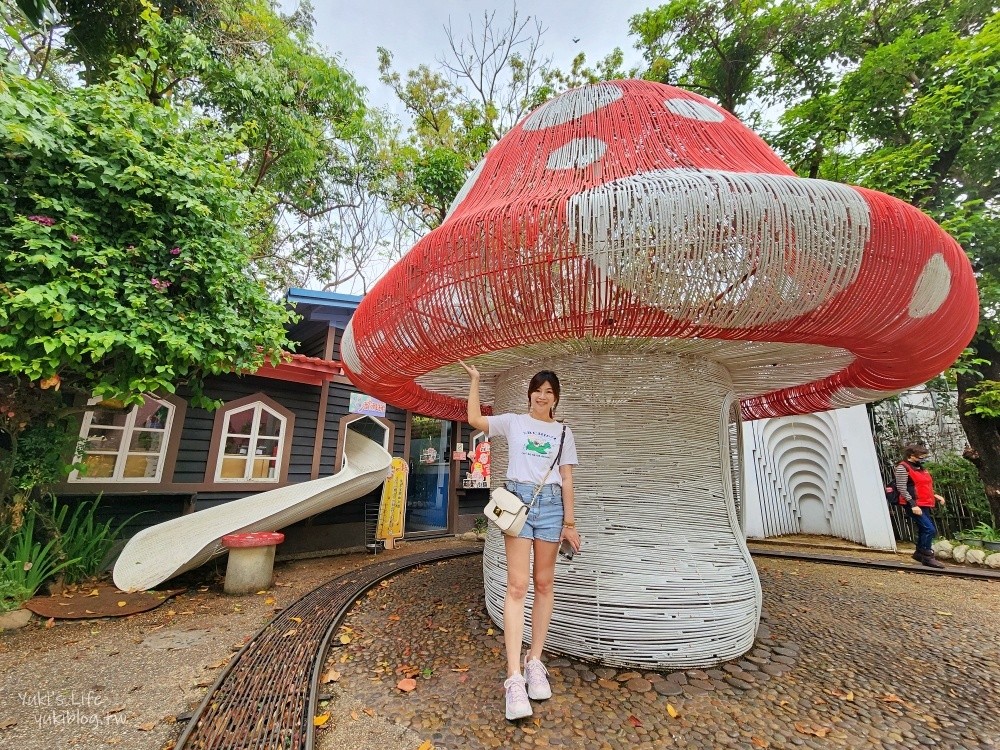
536 442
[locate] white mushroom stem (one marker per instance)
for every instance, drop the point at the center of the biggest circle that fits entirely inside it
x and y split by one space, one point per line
664 579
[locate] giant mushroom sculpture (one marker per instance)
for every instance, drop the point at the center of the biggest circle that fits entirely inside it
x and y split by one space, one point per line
648 247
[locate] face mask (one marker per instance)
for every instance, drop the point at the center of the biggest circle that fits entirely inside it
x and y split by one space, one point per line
918 462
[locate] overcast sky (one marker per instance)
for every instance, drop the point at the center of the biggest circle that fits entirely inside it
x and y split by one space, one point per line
413 30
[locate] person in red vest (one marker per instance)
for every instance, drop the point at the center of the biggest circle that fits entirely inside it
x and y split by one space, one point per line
916 490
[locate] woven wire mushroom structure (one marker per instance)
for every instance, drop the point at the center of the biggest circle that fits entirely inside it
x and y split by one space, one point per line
677 275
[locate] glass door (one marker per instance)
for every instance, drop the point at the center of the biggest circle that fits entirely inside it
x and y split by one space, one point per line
429 484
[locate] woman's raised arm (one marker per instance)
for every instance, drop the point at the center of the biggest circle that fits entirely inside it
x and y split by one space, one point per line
475 416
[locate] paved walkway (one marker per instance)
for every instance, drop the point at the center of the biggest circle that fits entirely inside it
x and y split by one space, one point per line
846 658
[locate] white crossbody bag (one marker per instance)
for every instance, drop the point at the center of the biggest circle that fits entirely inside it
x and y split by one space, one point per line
507 510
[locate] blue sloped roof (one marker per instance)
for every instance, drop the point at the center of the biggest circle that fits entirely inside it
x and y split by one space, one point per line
334 308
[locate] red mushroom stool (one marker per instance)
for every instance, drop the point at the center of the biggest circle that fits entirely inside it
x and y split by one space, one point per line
251 561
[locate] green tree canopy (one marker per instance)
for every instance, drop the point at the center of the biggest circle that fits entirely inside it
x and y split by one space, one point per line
124 262
299 115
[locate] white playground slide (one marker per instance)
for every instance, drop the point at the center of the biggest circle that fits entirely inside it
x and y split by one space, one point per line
168 549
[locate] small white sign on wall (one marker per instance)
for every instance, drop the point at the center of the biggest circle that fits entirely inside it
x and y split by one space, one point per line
364 404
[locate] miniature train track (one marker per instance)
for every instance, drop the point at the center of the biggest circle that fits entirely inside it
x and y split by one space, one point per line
857 562
266 696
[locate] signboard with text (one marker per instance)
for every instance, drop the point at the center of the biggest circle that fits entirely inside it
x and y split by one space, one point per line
393 506
364 404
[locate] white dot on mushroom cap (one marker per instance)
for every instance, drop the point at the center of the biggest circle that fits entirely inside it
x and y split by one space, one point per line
694 110
348 352
932 288
466 188
572 105
579 152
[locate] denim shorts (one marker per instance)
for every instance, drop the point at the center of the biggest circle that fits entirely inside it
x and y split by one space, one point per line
545 519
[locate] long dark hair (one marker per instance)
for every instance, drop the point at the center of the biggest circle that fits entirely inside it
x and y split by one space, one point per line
545 376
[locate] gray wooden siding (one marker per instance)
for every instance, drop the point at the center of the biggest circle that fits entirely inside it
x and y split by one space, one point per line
301 400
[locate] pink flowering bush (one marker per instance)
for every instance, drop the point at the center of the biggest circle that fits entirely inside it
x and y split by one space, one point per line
126 312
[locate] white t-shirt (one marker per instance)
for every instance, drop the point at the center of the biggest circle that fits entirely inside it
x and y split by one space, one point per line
533 445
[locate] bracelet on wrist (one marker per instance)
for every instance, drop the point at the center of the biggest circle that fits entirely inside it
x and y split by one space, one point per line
569 524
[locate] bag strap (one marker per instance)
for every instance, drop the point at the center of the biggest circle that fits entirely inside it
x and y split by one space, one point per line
538 489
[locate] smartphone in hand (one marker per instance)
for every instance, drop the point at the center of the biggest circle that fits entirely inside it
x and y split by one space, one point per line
566 550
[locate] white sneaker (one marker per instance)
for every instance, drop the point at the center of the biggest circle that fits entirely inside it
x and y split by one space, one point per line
538 684
517 700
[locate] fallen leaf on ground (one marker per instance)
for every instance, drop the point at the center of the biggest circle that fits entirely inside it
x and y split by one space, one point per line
943 613
330 675
407 684
147 727
815 730
674 713
528 730
218 664
7 723
270 601
50 623
634 720
122 604
891 698
354 715
345 639
369 711
94 592
321 720
394 618
426 745
758 742
295 619
290 633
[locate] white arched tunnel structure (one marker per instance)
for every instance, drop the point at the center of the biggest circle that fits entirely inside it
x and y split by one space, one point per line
815 474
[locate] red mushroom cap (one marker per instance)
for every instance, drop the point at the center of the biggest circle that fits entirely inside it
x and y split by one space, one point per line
635 216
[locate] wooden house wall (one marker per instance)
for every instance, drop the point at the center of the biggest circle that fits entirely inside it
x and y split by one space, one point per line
196 438
342 527
311 337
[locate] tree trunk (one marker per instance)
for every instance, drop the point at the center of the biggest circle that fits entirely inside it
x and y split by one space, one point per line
983 432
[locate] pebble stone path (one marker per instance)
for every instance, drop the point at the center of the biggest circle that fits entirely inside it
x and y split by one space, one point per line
845 658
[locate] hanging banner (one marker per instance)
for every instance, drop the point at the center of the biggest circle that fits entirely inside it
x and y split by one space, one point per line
393 506
364 404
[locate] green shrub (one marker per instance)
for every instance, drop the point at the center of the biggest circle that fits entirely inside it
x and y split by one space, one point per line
956 478
25 564
985 532
81 539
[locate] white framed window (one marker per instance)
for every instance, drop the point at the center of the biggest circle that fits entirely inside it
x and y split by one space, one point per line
125 446
253 440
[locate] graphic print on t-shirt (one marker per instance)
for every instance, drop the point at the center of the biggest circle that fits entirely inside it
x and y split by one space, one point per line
534 445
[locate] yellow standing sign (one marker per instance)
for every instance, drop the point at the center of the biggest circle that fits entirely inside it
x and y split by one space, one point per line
393 506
